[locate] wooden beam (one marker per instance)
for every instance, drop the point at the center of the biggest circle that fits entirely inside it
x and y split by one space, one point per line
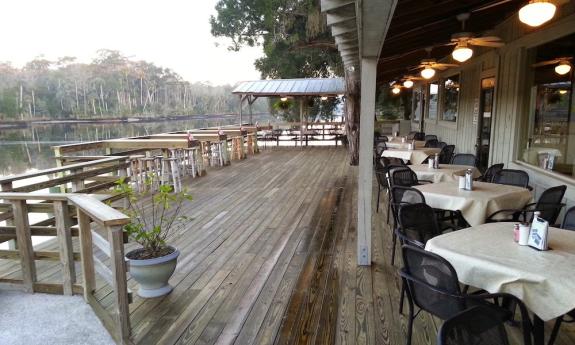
87 254
98 211
365 176
63 224
25 248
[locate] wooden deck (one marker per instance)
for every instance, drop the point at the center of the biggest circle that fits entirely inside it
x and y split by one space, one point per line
270 258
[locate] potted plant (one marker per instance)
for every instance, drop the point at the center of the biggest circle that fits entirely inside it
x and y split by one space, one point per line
155 213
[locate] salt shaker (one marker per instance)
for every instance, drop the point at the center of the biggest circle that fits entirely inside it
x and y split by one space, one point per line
436 161
516 232
469 179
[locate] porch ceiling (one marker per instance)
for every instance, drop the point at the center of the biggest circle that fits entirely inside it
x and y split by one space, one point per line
418 24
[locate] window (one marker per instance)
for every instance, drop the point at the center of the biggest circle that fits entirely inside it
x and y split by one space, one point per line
450 98
417 104
433 100
550 136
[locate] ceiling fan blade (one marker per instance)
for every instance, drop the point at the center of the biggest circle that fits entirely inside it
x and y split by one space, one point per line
545 63
487 43
488 38
444 65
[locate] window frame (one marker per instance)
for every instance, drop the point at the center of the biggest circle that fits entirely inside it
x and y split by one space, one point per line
442 95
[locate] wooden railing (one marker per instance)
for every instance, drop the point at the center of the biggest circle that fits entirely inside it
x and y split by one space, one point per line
93 218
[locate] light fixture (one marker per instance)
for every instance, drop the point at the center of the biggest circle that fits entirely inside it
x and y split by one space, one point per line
324 98
408 83
562 92
428 72
537 12
283 99
563 68
462 52
396 90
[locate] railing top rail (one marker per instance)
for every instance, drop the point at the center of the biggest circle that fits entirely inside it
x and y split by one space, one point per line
61 169
98 211
49 196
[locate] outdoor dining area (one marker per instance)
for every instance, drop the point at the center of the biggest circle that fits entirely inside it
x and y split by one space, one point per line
463 258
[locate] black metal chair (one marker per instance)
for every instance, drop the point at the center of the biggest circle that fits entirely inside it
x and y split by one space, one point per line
548 205
569 219
490 172
380 146
446 154
404 177
431 143
477 325
399 197
430 136
419 136
433 286
441 144
464 159
511 177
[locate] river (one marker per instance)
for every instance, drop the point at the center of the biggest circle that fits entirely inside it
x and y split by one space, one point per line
29 148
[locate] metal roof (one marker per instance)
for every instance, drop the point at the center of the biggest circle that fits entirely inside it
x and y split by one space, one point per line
292 87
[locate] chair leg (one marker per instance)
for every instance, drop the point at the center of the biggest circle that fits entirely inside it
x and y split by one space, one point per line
378 193
388 209
555 330
409 322
402 297
393 245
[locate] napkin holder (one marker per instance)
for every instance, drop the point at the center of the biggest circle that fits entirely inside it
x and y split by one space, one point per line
539 233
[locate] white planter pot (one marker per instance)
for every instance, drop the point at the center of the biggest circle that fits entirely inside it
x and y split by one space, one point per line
153 274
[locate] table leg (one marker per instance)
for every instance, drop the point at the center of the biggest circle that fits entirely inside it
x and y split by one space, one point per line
538 330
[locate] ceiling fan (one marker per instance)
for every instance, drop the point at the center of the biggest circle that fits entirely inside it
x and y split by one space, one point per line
428 66
462 40
563 65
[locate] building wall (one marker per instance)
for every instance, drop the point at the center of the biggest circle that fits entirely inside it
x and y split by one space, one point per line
511 103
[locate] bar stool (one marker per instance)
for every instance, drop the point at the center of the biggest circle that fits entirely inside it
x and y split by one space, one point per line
151 170
192 164
136 171
171 173
216 154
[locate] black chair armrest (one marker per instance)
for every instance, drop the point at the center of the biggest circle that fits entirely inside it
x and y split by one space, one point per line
424 182
515 213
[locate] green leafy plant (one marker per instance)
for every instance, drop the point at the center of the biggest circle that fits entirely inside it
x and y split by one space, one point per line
155 213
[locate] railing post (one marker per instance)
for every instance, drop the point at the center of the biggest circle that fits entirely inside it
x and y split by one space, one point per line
86 253
119 268
77 184
7 187
63 223
24 239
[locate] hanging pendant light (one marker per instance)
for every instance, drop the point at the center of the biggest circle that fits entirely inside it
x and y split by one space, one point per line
324 98
563 68
537 12
396 90
462 52
283 99
408 83
428 72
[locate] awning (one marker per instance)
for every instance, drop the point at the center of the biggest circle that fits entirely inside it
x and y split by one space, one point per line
292 87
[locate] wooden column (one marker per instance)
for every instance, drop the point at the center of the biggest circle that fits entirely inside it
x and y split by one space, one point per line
241 106
119 268
365 176
86 253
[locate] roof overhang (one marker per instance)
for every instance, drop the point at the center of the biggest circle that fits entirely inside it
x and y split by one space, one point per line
292 87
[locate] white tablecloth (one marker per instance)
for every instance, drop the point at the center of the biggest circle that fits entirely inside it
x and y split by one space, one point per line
486 257
416 156
445 173
478 204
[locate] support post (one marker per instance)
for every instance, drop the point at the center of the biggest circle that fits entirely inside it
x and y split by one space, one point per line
301 121
86 253
119 268
241 106
24 238
63 223
365 176
250 108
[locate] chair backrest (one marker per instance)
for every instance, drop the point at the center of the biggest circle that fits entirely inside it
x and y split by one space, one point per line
420 136
441 144
430 136
478 325
432 282
396 161
569 219
488 175
380 146
400 196
549 203
417 221
403 176
464 159
431 142
511 177
411 135
446 154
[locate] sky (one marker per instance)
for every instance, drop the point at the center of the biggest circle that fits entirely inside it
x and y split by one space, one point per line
173 34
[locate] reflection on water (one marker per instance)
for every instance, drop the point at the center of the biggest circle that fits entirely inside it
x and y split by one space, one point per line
30 148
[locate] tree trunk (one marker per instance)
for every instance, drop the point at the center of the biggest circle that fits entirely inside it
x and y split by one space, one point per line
352 117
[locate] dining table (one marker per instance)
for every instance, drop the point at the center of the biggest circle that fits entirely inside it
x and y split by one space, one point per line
397 144
415 156
445 172
478 204
487 257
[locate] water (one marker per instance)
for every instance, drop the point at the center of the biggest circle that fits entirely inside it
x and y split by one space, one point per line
26 149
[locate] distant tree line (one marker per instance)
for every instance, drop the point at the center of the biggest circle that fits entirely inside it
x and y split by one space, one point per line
112 85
